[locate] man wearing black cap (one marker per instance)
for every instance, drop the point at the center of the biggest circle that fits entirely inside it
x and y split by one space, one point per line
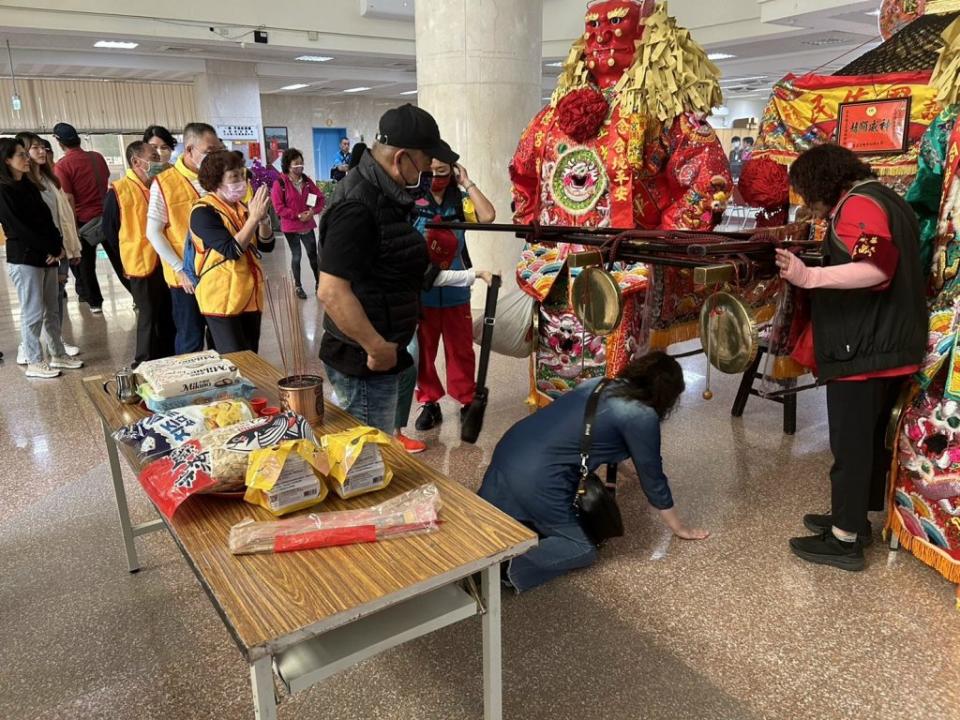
374 264
84 177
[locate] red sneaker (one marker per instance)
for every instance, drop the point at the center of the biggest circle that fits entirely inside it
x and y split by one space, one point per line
409 444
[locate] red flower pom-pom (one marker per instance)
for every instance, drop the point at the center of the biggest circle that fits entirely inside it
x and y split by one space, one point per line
581 113
764 183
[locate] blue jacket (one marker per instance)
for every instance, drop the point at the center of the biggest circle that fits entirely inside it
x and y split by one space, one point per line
451 209
540 456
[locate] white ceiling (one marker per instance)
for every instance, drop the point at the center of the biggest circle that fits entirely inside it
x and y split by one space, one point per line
796 44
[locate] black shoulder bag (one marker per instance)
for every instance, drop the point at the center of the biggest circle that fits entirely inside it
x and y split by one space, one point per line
595 504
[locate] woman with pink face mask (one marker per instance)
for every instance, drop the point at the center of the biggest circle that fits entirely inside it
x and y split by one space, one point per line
228 237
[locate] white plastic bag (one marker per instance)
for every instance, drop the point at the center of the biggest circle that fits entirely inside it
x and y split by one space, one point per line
513 332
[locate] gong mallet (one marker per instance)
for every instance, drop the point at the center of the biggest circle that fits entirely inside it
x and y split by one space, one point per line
473 419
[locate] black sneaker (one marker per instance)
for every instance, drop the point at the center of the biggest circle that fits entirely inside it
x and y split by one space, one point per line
300 293
820 524
825 549
429 417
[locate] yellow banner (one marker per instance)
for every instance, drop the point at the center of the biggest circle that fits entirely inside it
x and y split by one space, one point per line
804 112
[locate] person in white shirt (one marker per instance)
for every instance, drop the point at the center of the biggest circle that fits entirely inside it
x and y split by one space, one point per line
172 196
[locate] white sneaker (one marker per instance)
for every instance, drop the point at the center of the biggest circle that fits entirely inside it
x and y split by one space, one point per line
96 309
41 370
66 363
21 356
71 350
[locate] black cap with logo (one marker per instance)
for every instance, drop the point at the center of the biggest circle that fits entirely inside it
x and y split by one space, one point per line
65 132
411 128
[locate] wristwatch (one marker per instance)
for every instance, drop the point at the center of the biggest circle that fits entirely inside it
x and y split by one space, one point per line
466 188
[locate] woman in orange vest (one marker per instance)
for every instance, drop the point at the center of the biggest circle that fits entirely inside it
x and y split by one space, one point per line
227 237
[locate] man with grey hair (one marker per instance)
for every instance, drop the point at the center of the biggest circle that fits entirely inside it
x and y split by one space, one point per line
172 196
374 263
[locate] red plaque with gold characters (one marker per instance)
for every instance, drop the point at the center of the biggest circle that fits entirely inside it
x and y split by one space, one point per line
874 127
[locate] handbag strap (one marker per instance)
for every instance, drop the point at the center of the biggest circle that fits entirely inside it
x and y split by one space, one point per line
586 437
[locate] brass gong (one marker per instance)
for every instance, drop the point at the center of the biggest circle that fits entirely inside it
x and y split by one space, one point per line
597 301
728 333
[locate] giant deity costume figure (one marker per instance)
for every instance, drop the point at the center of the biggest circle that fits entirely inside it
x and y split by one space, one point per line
924 508
623 144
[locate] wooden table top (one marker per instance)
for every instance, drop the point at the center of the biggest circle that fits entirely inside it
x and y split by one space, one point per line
270 602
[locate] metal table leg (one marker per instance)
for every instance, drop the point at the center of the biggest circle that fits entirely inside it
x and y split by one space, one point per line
492 673
264 694
126 528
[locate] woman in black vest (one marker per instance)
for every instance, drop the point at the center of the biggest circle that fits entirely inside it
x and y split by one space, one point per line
869 331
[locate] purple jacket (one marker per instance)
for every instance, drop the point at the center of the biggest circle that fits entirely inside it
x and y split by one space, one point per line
289 203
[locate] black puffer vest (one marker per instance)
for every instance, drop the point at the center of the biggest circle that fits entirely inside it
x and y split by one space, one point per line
862 331
390 291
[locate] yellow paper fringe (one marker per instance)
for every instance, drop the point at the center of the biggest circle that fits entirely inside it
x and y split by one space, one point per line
941 7
924 551
786 368
670 74
947 71
681 332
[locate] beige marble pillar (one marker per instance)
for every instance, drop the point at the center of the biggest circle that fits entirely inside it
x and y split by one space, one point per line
478 74
228 97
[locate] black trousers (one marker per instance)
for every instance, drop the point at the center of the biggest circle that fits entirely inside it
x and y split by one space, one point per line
156 333
236 333
858 413
85 273
113 255
309 240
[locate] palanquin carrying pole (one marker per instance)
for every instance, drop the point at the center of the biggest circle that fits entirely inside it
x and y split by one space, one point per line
677 248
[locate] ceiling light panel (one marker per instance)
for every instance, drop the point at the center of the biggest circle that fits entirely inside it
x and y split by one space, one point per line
116 44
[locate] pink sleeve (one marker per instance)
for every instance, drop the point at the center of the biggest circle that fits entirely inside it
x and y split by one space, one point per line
280 202
849 276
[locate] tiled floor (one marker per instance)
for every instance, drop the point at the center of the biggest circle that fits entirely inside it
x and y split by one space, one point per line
732 628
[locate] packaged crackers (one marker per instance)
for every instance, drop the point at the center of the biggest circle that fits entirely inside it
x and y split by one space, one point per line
287 477
356 464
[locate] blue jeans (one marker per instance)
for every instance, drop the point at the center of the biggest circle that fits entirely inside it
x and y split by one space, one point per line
563 547
37 290
406 385
371 400
188 322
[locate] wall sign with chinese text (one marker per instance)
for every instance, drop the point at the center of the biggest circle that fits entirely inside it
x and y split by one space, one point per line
875 127
238 132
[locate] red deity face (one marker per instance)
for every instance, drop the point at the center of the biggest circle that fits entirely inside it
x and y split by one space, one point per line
613 28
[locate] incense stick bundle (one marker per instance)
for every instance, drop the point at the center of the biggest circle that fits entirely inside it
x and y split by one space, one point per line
287 325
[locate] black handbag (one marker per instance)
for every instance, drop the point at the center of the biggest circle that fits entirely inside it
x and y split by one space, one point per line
595 504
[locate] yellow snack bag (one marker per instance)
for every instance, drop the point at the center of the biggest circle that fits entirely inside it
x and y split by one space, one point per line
356 464
226 412
286 477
